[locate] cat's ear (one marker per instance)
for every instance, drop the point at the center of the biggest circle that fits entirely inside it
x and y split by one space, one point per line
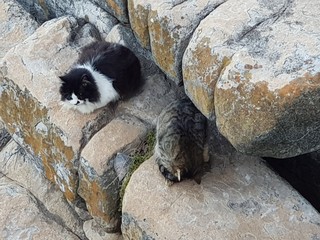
85 80
62 78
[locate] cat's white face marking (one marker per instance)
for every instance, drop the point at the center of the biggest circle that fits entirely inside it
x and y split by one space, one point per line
75 100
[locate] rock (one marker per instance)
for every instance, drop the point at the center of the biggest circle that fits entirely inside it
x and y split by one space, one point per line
99 184
24 217
118 8
264 95
4 137
166 27
26 171
94 232
88 10
157 93
15 25
240 198
33 114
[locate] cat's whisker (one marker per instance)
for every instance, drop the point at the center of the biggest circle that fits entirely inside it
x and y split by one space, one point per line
179 175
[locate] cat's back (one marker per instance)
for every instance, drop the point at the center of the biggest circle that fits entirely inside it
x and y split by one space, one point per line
183 118
102 52
91 52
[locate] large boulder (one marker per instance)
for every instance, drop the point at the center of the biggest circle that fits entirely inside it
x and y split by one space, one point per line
254 66
118 8
240 198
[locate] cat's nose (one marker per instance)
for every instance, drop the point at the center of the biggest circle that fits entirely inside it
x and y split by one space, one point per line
77 102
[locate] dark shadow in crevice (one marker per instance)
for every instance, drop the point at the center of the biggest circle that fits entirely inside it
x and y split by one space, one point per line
303 173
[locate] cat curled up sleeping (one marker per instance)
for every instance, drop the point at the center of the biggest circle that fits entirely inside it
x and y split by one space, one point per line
181 141
104 72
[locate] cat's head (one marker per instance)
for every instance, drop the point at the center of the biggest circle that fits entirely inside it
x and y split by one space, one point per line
78 87
172 162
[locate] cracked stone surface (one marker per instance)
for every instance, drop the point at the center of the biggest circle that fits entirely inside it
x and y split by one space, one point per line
31 206
23 218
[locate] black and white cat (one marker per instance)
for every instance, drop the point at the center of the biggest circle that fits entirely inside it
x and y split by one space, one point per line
105 72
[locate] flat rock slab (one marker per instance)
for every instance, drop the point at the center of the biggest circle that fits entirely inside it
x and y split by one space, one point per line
243 200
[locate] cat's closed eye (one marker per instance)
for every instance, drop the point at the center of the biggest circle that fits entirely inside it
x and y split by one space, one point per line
80 95
68 97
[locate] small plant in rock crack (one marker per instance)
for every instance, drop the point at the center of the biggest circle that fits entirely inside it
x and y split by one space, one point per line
143 153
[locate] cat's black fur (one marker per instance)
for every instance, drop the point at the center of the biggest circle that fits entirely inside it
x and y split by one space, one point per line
100 62
181 140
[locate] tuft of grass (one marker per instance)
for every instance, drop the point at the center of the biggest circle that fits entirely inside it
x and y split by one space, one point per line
138 157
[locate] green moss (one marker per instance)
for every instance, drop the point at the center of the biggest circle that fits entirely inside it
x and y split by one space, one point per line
138 157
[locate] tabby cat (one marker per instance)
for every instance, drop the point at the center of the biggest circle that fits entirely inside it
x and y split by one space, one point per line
181 147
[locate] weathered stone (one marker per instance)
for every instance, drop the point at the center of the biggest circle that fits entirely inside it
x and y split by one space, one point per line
166 27
24 217
93 232
240 198
267 101
19 166
88 10
99 184
15 25
32 112
212 45
118 8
